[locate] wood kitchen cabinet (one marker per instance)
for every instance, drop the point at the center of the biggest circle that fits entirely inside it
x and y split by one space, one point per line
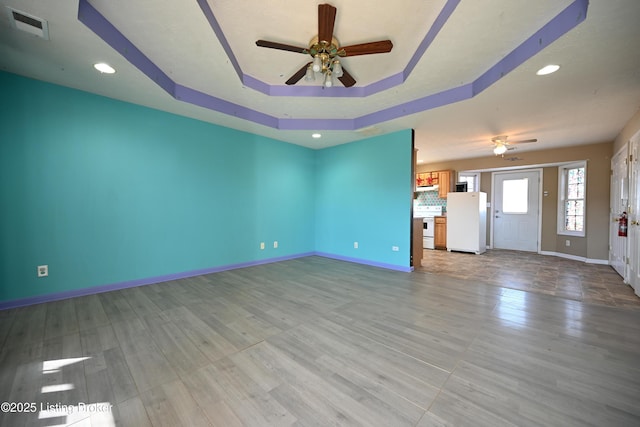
427 178
445 182
443 179
440 232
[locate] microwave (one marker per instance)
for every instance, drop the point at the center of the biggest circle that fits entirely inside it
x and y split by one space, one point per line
461 187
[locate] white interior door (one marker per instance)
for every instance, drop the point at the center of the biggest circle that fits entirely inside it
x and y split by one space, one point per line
633 239
516 210
619 201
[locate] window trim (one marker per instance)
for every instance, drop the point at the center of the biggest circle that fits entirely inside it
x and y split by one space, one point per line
476 176
562 190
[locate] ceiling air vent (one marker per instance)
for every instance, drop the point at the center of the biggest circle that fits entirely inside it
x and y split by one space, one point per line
28 23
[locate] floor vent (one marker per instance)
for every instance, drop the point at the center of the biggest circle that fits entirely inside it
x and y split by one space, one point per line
28 23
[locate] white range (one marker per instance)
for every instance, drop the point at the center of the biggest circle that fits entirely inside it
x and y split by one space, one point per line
427 213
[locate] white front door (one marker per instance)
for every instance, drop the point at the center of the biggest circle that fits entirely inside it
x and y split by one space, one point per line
633 239
516 210
619 200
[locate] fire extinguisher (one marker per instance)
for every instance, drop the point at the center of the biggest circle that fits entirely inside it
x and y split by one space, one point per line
622 225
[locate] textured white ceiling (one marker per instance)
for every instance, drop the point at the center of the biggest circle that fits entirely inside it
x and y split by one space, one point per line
588 101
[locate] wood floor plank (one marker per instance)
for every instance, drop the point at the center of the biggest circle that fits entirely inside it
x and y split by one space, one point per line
149 369
113 383
116 306
372 366
160 295
310 410
140 302
132 413
316 342
314 389
20 377
27 326
458 411
147 364
249 402
206 339
63 371
61 318
183 355
171 405
7 317
90 312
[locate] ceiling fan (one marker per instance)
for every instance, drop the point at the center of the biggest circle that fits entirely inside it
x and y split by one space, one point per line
326 51
501 144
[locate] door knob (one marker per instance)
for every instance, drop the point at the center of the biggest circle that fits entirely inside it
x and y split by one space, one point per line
634 222
497 216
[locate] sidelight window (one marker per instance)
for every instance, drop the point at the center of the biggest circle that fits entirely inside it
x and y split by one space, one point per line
572 204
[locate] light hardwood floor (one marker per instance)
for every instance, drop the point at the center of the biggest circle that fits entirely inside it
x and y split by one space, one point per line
320 342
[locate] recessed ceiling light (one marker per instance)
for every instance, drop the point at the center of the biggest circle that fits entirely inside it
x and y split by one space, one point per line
316 135
104 68
548 69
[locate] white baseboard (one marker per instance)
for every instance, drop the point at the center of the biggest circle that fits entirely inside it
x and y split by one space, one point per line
597 261
576 258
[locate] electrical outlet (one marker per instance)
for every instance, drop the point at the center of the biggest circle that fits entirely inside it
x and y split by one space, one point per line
261 245
43 270
275 244
567 242
355 245
395 248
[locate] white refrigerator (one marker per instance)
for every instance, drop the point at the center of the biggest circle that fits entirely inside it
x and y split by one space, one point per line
467 222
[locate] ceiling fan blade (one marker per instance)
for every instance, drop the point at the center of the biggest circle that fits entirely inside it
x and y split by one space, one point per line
326 21
298 75
524 141
280 46
346 78
382 46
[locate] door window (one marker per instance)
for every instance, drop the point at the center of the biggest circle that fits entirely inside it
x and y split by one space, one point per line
515 196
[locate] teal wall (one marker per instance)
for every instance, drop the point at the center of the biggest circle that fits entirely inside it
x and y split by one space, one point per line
106 192
364 192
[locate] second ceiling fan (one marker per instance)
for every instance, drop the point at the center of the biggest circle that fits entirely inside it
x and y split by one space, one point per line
326 51
501 145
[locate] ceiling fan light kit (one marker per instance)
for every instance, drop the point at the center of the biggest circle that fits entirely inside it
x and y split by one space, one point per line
501 145
326 52
499 149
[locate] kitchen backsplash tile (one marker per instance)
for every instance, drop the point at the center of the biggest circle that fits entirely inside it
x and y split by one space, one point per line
430 198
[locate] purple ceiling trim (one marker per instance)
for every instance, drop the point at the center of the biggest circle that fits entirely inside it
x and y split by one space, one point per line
442 18
255 84
316 124
384 84
429 102
97 23
565 21
558 26
213 22
336 91
201 99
